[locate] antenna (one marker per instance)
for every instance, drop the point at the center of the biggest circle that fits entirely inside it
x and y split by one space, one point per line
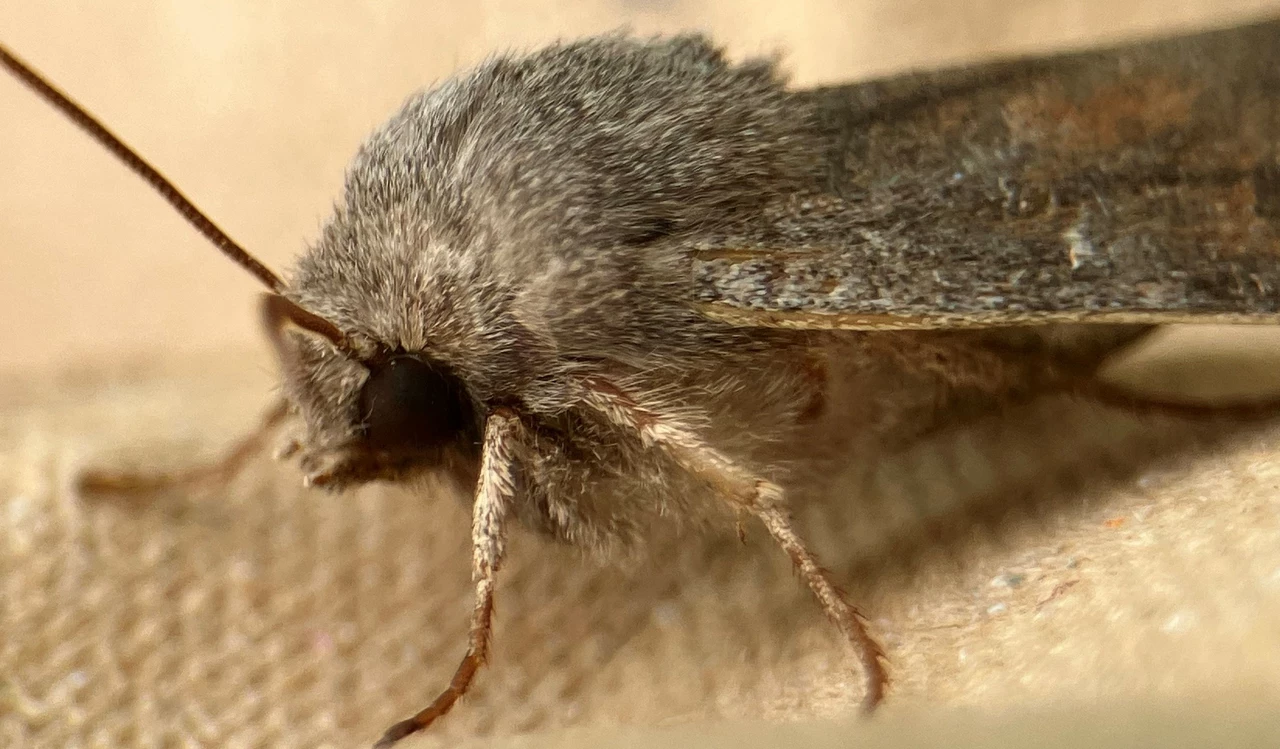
140 167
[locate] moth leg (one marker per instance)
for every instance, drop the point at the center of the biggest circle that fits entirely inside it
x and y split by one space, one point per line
495 493
1116 396
1080 348
759 497
106 481
1014 377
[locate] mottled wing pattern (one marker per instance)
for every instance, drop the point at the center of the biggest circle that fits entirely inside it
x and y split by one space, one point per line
1139 184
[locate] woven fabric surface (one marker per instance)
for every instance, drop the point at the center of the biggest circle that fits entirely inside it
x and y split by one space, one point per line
1060 558
261 614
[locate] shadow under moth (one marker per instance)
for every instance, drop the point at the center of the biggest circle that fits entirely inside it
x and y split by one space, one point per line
616 282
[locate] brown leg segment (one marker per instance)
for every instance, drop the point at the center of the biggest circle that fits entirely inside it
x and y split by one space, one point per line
1012 377
477 653
761 498
768 507
101 481
494 495
1258 409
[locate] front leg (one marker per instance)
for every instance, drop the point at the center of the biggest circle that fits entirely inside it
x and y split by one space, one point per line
495 493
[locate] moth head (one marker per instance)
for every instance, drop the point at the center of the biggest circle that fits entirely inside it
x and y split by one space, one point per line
370 412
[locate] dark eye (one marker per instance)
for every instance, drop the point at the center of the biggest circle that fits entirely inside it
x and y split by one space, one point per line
412 405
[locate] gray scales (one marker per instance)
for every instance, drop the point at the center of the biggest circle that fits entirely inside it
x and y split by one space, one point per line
1137 184
449 321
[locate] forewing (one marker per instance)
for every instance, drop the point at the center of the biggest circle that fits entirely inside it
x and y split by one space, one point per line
1139 184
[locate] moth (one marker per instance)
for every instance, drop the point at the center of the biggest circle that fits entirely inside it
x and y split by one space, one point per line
621 281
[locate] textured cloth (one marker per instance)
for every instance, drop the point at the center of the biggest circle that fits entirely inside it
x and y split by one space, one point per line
1114 572
262 614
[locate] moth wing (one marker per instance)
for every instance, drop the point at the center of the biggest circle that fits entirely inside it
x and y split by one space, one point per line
1133 185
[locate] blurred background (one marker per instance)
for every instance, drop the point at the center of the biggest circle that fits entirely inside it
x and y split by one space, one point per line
254 108
259 614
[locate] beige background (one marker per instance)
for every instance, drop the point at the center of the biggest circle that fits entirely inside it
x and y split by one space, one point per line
253 109
258 614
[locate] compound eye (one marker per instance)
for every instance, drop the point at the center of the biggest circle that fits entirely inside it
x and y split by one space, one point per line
411 405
